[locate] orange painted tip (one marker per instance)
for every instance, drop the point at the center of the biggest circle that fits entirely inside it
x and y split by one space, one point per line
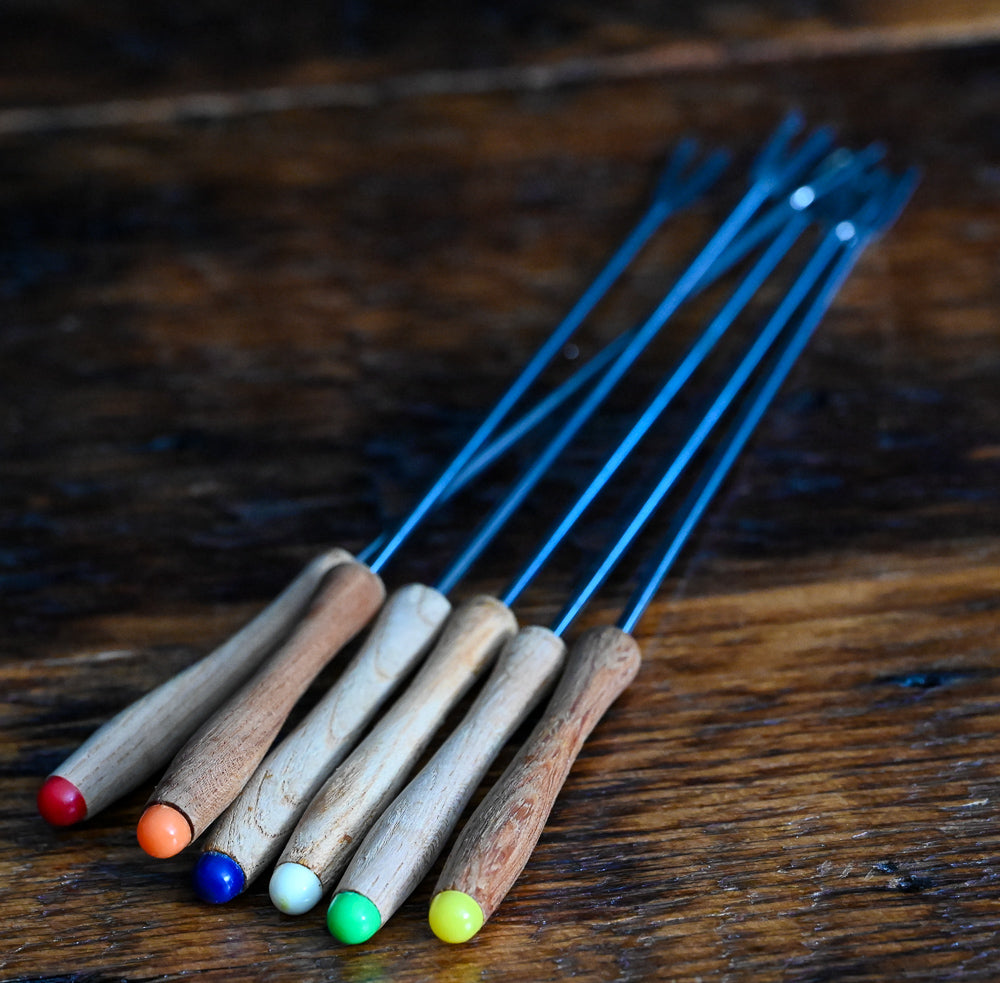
163 831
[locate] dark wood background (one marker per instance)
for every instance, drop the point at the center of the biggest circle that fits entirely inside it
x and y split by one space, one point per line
261 270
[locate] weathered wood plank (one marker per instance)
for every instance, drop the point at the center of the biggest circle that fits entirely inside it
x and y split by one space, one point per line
81 67
227 346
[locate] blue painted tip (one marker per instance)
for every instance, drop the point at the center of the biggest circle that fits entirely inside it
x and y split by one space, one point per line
217 878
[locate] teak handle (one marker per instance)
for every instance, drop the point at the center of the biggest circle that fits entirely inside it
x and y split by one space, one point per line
209 771
498 839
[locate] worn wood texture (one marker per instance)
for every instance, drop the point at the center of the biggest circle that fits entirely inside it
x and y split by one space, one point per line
255 828
141 740
411 833
500 836
213 766
360 789
230 341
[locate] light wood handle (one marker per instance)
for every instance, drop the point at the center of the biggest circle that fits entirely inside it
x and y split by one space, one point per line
401 847
143 737
214 765
254 828
496 843
364 784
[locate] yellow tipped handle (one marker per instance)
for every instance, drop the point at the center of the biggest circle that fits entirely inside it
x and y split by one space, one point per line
408 837
143 737
216 762
497 842
254 828
357 792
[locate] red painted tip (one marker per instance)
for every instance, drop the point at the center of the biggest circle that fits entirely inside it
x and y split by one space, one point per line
60 802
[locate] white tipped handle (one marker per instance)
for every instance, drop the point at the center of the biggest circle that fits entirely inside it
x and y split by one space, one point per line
254 828
358 791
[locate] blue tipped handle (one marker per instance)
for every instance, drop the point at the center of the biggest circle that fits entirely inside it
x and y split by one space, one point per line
217 878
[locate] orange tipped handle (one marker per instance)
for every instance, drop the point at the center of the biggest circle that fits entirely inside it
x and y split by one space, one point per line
499 838
163 831
217 761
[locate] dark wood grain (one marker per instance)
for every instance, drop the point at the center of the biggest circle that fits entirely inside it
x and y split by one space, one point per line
228 344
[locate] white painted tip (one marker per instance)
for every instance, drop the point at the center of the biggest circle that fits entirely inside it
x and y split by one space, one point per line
294 889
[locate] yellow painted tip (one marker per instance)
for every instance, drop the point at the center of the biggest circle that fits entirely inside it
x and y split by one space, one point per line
163 831
455 916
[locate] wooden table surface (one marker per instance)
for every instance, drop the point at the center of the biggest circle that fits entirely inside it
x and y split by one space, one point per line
261 272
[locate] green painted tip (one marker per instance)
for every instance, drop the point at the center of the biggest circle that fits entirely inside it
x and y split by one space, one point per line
352 918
